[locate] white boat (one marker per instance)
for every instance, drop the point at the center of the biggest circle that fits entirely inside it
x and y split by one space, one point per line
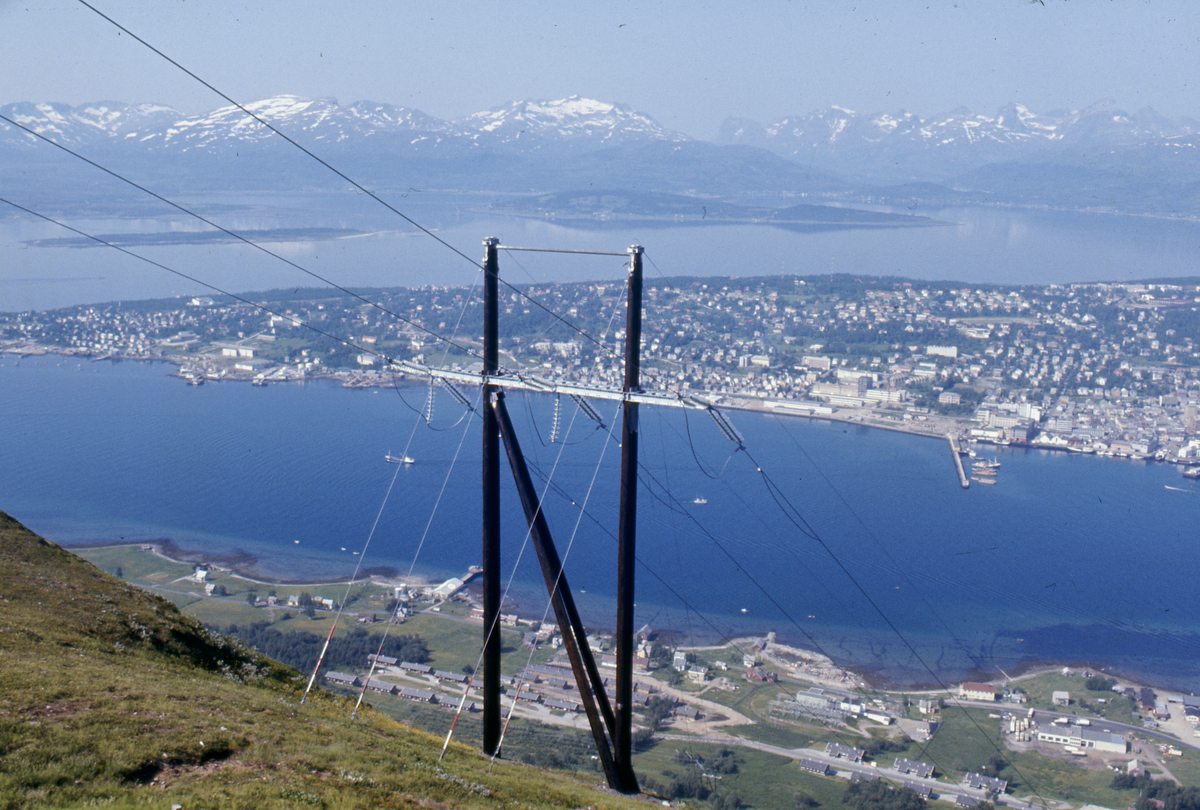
390 459
701 500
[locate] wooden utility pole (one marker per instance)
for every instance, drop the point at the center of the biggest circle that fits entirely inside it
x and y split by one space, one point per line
492 720
611 727
588 681
627 529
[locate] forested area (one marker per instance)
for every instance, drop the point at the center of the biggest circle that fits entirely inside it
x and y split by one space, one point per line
346 650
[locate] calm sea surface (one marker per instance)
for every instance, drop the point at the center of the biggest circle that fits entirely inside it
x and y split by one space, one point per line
856 541
976 245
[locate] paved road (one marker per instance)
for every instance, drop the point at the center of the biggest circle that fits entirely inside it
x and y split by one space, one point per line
846 769
1046 717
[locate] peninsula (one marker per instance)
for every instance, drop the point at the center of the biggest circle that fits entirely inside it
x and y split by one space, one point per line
1102 368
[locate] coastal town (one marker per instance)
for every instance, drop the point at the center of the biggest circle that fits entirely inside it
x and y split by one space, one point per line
965 742
1105 368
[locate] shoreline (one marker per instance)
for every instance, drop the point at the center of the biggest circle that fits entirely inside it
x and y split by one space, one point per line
936 425
237 564
815 667
245 565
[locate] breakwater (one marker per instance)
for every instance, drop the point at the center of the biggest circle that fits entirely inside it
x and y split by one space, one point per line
958 465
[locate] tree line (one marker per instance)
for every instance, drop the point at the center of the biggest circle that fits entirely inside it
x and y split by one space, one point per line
346 650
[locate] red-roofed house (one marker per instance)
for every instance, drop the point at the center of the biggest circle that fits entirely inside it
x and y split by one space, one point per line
977 691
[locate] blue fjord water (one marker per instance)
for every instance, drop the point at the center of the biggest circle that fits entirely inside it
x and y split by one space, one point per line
974 245
855 541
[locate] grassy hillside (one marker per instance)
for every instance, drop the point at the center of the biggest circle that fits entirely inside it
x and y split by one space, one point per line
109 696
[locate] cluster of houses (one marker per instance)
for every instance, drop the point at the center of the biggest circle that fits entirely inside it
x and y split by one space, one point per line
1102 368
906 767
546 685
381 687
545 680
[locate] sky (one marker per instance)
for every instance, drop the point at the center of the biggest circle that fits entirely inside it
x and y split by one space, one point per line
687 64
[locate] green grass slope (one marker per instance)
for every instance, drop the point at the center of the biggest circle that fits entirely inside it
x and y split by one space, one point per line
109 696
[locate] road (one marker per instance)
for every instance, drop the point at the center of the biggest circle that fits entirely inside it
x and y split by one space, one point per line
846 769
1045 717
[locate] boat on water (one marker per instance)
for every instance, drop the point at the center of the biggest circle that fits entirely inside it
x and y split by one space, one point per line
700 500
390 459
991 482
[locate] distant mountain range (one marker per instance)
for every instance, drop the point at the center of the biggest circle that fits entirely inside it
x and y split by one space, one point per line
1100 158
901 146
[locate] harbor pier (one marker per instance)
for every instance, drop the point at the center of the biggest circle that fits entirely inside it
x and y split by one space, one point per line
957 454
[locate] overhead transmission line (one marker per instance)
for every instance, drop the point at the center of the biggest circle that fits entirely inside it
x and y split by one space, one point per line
770 484
340 174
676 506
282 134
772 488
240 238
201 282
422 328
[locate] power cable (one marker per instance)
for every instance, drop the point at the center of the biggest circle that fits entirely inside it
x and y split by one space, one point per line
551 312
350 585
183 275
880 546
495 626
416 555
683 600
799 521
239 237
770 484
280 133
315 157
687 614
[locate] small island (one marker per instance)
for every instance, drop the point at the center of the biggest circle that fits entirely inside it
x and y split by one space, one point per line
595 209
211 237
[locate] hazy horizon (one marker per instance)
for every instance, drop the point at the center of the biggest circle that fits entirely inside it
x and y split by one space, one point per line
689 67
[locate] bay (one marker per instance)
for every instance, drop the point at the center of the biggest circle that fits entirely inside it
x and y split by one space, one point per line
855 541
975 245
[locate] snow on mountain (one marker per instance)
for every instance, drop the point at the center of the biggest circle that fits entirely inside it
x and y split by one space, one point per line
575 121
565 120
309 121
1054 158
902 145
87 123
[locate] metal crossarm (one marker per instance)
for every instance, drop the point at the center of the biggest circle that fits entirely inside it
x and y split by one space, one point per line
611 725
531 383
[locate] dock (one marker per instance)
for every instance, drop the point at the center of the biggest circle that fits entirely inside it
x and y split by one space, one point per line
954 451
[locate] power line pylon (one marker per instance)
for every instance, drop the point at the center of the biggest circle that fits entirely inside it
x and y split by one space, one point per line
611 722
